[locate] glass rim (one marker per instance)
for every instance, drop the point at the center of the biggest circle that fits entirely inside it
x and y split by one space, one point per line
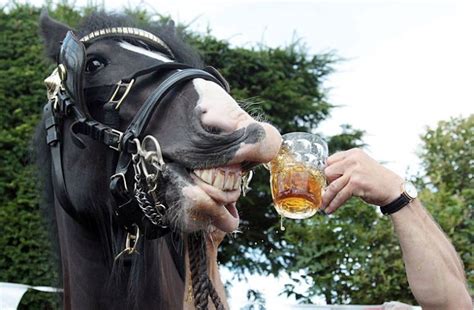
315 137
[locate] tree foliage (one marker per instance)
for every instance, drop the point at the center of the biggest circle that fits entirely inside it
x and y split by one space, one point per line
448 154
350 256
26 255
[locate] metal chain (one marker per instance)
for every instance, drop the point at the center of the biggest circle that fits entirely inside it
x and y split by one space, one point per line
154 212
146 206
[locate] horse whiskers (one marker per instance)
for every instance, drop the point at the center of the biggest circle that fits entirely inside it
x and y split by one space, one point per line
175 215
234 233
253 106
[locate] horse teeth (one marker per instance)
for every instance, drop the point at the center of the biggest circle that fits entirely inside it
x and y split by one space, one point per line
198 172
220 178
237 182
219 181
229 181
206 176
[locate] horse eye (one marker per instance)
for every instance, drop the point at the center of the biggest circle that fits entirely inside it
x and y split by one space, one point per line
95 64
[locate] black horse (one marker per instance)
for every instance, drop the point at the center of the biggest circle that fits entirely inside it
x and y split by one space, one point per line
143 152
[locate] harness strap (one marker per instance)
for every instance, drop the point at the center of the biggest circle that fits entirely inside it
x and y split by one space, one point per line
53 128
99 132
126 205
141 119
104 93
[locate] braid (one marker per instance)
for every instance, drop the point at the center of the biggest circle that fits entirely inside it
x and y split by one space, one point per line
198 266
202 285
215 298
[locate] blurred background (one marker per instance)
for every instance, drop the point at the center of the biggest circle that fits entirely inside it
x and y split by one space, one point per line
393 77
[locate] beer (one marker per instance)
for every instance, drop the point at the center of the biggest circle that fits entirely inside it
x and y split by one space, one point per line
296 175
296 186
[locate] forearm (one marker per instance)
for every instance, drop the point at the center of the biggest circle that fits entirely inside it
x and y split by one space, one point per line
434 270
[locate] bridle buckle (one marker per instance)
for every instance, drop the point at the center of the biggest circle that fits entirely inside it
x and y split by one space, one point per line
125 87
118 140
131 242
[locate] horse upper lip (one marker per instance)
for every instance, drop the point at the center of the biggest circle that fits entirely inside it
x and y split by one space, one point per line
226 178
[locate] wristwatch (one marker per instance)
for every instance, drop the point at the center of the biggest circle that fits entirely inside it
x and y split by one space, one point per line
409 193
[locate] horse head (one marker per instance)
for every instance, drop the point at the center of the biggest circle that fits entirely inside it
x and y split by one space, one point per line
145 140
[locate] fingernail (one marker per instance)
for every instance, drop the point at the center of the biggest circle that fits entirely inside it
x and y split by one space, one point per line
328 211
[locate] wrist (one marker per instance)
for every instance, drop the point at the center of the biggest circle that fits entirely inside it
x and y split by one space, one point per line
393 190
408 194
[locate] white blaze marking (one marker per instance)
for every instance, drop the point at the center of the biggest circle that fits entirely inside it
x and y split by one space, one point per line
142 51
219 108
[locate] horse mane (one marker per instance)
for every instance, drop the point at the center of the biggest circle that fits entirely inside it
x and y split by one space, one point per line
114 239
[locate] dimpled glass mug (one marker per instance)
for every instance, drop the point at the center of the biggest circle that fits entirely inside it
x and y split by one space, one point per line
297 175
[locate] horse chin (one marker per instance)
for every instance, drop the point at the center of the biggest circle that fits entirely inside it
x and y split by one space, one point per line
199 205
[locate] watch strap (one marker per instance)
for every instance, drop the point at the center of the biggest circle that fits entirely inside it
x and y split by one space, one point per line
396 205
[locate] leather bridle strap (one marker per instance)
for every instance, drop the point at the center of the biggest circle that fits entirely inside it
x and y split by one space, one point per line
126 210
118 140
140 121
53 122
53 128
104 92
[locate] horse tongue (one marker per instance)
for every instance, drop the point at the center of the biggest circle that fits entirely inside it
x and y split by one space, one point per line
229 221
231 207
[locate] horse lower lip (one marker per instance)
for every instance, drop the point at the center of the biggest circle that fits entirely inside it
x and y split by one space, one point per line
232 209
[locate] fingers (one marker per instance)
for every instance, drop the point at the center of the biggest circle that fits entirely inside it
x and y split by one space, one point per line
341 197
341 168
333 189
337 157
336 170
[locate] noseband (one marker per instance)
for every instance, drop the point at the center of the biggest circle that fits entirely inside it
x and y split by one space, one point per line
136 207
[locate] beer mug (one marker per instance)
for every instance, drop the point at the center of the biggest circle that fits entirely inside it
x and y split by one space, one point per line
297 175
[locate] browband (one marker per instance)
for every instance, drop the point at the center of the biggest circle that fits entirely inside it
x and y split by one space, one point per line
130 32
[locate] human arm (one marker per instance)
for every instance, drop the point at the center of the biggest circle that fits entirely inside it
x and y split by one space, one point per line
435 272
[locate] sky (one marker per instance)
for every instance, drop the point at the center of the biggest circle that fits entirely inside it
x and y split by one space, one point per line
407 65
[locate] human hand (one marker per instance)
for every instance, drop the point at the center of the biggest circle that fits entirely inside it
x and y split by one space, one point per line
354 173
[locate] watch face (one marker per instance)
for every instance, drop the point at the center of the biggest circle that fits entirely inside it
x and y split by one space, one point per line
410 189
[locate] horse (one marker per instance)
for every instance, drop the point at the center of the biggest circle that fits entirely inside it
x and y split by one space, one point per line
143 154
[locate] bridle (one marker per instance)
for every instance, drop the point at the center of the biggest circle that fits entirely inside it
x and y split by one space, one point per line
137 207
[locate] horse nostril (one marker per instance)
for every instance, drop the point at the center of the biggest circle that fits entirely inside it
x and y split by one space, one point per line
212 129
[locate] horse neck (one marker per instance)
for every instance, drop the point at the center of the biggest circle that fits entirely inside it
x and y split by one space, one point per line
152 281
82 263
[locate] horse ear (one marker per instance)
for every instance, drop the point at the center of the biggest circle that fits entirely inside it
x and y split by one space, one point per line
170 26
53 32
